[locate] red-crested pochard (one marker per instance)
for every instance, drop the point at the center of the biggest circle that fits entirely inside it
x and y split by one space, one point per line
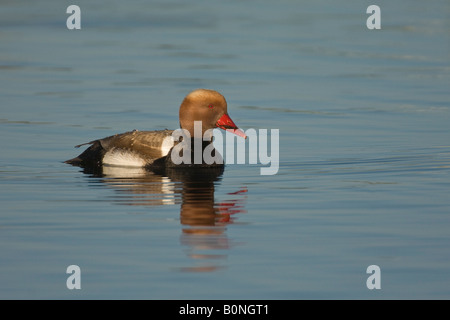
148 148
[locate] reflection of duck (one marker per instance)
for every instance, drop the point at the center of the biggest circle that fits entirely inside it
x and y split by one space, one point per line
197 207
139 187
142 148
204 220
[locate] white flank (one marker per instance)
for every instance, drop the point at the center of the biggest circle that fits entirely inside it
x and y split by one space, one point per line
167 145
122 158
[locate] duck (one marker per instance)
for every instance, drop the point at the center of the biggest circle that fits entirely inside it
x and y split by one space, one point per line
152 149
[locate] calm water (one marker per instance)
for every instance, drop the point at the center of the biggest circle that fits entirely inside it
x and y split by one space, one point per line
364 175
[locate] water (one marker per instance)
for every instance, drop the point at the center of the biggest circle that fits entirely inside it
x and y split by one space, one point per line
364 150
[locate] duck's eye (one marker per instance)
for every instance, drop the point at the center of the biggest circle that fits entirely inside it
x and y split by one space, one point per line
211 106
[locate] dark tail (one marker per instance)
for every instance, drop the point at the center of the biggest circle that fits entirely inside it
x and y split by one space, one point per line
92 156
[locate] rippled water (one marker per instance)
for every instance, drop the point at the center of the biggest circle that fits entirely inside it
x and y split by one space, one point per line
364 171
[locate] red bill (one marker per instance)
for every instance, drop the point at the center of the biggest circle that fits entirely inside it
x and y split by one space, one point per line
227 124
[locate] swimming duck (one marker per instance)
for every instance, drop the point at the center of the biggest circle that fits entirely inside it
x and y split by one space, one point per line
152 148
